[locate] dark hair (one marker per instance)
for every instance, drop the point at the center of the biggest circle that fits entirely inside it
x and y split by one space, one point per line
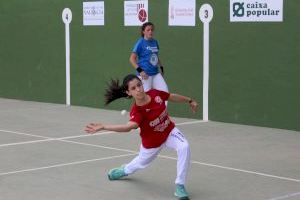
116 91
143 27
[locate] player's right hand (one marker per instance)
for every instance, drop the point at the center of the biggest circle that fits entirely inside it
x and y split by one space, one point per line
93 128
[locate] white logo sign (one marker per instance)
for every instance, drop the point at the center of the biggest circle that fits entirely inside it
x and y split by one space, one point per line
182 13
93 13
256 11
135 13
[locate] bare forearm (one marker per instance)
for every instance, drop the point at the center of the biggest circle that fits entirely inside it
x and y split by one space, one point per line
133 60
117 128
179 98
134 64
95 127
183 99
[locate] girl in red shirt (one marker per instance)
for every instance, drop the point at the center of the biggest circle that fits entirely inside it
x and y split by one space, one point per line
157 131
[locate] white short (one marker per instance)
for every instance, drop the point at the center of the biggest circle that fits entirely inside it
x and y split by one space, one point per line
176 141
155 82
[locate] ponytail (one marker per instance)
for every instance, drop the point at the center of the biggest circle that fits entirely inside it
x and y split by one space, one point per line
117 91
114 91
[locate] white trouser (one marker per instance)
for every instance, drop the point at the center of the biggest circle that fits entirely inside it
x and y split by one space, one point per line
176 141
155 82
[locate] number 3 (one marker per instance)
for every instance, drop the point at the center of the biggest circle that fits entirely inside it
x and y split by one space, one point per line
206 14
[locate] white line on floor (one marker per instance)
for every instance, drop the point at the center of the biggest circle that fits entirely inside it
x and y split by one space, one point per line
162 156
64 164
286 196
21 133
236 169
100 146
27 142
193 162
47 139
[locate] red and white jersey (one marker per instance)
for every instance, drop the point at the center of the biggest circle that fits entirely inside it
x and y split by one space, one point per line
153 119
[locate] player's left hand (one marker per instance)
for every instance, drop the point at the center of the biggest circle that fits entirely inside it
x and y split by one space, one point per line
94 127
194 106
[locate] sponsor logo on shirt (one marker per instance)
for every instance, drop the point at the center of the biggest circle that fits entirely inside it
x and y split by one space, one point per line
152 49
153 59
161 122
161 127
157 99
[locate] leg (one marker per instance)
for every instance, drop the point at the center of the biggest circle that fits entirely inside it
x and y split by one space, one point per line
177 141
145 157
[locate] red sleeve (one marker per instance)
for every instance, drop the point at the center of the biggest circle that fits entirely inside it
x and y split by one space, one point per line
164 95
135 116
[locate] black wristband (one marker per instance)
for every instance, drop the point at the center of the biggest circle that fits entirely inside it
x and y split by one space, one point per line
191 100
139 69
162 69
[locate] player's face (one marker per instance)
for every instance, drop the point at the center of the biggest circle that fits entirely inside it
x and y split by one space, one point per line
135 89
148 32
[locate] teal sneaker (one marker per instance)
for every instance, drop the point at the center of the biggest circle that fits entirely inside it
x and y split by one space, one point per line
181 193
117 173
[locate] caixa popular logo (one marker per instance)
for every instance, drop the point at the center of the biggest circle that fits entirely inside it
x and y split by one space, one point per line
251 10
238 9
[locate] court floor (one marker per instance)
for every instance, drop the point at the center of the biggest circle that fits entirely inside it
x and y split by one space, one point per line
45 154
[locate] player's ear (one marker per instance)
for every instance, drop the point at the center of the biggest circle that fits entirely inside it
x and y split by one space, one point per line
128 93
